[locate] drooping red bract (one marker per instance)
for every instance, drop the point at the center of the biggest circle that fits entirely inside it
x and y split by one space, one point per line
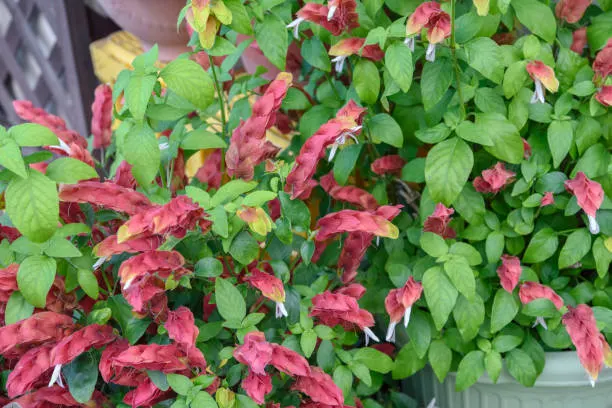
355 46
82 340
8 281
119 375
335 308
181 327
146 394
167 358
579 40
354 221
421 16
571 10
390 164
438 222
210 172
102 116
604 96
509 272
288 361
257 386
400 299
30 371
530 291
255 352
106 194
17 338
589 193
347 121
494 179
161 263
248 143
344 18
269 285
603 63
175 218
54 397
320 387
592 348
124 176
547 199
349 194
109 246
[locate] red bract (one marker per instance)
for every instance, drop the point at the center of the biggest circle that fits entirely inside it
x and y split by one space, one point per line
54 397
571 10
509 272
350 194
526 149
124 177
8 281
398 304
146 394
353 221
255 353
248 143
391 164
107 194
30 371
339 17
17 338
9 233
288 361
542 74
102 116
346 123
145 295
257 386
603 63
74 151
118 375
210 172
592 348
28 112
354 46
494 179
176 218
271 287
530 291
547 199
109 246
320 387
579 40
181 327
604 96
354 290
438 222
589 195
167 358
428 15
161 263
421 16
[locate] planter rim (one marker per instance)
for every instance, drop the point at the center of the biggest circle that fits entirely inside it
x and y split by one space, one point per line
562 369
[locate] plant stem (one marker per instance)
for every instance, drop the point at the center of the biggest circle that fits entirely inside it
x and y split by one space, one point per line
455 63
222 107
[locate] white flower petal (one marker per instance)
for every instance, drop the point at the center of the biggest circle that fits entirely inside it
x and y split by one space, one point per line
593 225
430 54
391 332
56 376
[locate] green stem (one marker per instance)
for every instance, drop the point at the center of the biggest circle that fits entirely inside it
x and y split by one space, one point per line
222 107
455 63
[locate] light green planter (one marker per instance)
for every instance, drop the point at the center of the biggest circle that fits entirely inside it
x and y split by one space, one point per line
562 384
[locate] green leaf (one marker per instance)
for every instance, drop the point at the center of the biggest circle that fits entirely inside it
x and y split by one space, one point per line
447 168
576 246
306 251
532 347
514 78
489 100
440 358
494 246
10 155
407 362
179 383
159 379
82 375
435 81
314 52
189 80
59 247
35 277
508 339
258 198
505 307
33 135
17 308
473 133
419 331
560 140
204 400
202 139
295 210
241 22
440 295
221 48
469 316
220 225
366 81
540 308
343 379
33 206
484 55
229 300
132 328
373 359
138 92
434 134
70 171
414 170
462 276
271 36
383 128
295 100
398 60
471 368
507 143
361 371
345 161
602 256
493 364
433 244
521 367
542 246
468 252
244 248
308 341
470 205
141 150
598 31
537 17
230 191
88 282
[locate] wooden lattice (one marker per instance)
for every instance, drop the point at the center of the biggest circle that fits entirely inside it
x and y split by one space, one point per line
44 57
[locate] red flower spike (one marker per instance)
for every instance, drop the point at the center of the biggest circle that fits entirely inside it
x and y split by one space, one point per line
8 282
354 221
428 15
288 361
257 386
271 287
162 263
571 10
320 387
107 194
547 199
338 18
438 222
604 96
603 63
176 218
16 338
102 116
589 195
391 164
30 371
346 123
248 143
592 348
439 28
256 352
493 180
421 16
398 304
542 74
181 327
509 272
579 40
530 291
349 194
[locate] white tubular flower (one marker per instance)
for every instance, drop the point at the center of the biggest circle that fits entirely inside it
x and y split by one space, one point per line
430 54
295 24
280 310
56 377
391 332
410 43
332 11
339 62
369 334
538 94
593 225
342 139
